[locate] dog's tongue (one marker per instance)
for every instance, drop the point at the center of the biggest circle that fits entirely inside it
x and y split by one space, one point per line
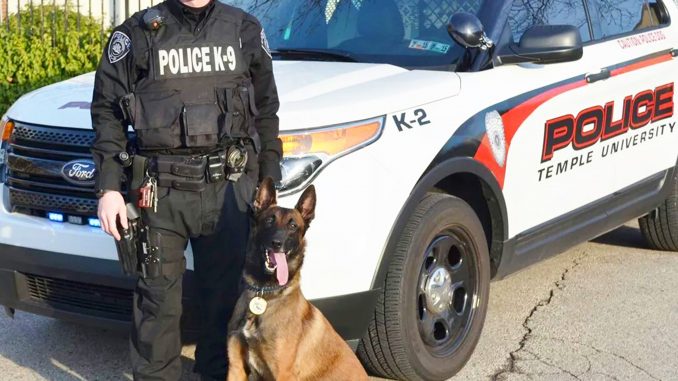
282 272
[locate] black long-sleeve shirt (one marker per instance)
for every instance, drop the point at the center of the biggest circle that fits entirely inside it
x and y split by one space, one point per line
119 69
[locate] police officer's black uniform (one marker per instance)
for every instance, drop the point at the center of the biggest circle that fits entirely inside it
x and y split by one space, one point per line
194 84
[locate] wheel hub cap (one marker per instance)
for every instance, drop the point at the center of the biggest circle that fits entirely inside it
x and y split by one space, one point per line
446 290
439 290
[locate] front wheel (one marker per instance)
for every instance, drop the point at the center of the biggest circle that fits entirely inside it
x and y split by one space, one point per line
660 226
429 316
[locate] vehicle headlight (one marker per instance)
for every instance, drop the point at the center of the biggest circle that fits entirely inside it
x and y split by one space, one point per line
6 127
307 152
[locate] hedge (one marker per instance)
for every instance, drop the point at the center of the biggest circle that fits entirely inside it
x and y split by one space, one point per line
43 45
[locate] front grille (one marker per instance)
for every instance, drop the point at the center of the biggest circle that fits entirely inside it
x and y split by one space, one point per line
21 198
109 302
53 136
35 158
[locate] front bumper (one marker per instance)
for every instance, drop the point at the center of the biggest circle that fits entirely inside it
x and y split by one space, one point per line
95 292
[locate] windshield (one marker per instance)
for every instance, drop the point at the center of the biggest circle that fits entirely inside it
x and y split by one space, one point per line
409 33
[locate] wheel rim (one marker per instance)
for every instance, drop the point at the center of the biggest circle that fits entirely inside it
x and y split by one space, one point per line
447 291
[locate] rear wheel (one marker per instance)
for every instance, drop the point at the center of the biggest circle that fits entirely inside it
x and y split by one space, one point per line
428 319
660 227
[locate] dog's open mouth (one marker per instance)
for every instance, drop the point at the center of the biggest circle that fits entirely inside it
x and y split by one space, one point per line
277 262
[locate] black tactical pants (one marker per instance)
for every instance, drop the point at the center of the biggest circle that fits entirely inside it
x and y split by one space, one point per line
218 230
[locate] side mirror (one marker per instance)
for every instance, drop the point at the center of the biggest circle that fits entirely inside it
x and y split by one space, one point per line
544 44
467 30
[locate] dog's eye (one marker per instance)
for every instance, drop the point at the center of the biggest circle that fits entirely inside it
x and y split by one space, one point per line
293 226
269 220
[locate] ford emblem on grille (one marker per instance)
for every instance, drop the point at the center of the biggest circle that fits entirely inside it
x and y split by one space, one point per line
79 172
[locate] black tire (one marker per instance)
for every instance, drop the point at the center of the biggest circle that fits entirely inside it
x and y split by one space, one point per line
399 343
660 226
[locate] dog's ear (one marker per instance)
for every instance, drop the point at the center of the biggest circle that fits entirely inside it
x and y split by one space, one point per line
306 205
266 196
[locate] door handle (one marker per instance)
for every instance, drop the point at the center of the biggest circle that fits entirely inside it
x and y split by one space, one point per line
603 75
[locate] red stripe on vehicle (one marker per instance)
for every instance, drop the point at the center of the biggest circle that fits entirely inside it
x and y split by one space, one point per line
515 117
485 156
642 64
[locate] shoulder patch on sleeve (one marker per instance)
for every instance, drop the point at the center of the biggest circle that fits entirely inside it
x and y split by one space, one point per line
118 47
264 43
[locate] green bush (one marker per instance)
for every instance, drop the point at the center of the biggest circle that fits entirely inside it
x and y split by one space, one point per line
43 45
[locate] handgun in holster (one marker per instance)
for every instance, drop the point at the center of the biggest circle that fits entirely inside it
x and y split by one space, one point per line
129 238
136 253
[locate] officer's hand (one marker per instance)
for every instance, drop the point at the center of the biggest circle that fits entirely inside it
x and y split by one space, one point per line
111 207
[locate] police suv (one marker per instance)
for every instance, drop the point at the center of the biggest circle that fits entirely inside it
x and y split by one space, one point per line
451 142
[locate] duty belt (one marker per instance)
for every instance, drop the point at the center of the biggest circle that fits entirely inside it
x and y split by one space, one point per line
193 172
185 173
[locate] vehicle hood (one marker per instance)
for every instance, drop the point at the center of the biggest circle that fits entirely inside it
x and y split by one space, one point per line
312 94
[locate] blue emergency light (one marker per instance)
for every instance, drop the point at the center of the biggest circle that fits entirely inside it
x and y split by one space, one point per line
56 217
94 222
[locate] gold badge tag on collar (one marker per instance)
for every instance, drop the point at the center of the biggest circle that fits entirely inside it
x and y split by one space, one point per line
258 305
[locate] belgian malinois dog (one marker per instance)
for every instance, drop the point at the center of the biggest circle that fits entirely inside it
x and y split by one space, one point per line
275 333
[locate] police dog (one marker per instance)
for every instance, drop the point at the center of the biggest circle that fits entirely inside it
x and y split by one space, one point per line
275 333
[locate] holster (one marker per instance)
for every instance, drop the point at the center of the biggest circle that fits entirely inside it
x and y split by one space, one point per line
149 256
139 250
127 246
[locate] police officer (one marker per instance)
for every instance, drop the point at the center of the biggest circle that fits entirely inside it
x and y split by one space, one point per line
194 78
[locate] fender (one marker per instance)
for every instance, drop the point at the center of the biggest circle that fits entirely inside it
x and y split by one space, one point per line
433 176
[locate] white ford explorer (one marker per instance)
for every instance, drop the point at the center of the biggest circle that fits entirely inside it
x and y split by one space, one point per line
451 142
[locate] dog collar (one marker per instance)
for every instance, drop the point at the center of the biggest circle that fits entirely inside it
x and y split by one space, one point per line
263 290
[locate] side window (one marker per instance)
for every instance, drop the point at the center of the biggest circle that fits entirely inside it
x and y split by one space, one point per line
526 13
625 16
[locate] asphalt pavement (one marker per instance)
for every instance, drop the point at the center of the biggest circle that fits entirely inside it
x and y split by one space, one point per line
604 310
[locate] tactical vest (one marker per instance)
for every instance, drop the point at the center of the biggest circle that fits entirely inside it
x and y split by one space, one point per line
196 91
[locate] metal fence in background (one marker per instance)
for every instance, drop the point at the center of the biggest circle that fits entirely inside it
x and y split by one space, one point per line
108 13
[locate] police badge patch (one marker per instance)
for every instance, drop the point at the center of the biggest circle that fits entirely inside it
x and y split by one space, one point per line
264 43
119 46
